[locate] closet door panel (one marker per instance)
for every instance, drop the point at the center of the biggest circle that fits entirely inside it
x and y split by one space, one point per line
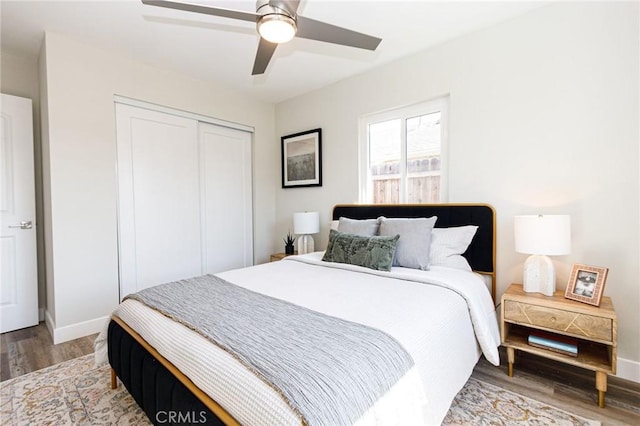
159 198
227 194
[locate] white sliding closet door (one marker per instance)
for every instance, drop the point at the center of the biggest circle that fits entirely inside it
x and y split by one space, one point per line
226 173
184 195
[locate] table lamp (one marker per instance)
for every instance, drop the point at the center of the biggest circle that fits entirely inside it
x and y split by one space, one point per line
541 236
304 224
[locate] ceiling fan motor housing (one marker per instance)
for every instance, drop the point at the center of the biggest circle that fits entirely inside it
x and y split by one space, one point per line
273 7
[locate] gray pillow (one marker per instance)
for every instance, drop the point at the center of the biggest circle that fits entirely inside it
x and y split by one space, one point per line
365 227
415 240
371 252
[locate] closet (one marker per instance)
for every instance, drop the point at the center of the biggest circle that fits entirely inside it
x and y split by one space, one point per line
184 195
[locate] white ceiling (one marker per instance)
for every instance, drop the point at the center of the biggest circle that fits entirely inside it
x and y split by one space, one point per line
222 50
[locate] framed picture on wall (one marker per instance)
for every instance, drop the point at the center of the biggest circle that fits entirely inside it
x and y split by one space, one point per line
586 284
302 159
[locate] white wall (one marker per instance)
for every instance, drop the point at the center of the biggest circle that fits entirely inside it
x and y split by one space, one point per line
79 85
19 77
544 118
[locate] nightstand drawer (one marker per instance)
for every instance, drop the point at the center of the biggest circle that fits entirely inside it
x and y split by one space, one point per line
592 327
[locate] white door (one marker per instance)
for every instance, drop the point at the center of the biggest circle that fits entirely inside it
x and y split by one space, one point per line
184 198
18 264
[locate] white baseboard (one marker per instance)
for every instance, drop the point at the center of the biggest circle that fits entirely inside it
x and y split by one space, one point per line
74 331
628 370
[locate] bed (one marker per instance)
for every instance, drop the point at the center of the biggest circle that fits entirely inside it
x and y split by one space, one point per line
439 321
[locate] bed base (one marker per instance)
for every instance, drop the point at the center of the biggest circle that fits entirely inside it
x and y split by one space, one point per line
141 368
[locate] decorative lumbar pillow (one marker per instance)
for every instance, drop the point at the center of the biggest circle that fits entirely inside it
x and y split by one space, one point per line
415 240
448 245
371 252
365 227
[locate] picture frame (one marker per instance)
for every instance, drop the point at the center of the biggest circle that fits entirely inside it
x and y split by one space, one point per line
586 284
302 159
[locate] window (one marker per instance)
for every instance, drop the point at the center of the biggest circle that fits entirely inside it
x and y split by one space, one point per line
403 153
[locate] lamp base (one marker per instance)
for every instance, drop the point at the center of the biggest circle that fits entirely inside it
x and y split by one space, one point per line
305 244
539 275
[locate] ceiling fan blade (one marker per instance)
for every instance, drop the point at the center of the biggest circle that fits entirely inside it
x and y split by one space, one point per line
263 56
197 8
321 31
291 5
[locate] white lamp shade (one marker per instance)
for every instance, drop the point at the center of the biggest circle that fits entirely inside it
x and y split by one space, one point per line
543 234
306 223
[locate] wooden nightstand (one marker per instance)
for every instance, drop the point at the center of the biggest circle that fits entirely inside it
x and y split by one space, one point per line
596 329
279 256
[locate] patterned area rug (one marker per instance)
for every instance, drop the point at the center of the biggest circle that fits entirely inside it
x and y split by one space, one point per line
481 403
77 393
71 393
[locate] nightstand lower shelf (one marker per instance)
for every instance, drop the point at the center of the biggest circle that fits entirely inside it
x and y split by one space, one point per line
591 356
601 376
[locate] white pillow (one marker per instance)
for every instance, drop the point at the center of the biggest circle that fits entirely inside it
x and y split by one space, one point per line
364 227
448 244
412 250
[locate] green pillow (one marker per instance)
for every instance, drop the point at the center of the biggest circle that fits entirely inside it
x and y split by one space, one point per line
371 252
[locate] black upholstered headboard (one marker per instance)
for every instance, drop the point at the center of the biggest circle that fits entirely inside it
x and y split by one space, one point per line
481 253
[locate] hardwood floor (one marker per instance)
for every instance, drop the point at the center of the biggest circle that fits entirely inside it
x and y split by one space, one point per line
569 388
566 387
30 349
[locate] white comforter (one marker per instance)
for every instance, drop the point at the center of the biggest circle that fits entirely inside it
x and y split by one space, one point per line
441 317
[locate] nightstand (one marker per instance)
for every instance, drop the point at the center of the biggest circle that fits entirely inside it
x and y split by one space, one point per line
279 256
595 328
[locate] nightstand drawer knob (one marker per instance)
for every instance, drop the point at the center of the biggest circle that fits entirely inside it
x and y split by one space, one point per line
553 319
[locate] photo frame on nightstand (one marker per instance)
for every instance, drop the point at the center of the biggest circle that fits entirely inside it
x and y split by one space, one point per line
586 284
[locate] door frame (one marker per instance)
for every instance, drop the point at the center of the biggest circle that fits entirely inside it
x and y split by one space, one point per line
180 113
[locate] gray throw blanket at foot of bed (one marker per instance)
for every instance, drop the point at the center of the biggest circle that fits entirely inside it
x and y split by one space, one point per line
330 371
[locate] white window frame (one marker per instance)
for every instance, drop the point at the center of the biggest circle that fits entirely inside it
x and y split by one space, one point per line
403 113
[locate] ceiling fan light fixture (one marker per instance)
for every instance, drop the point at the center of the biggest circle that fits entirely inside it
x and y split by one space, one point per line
277 28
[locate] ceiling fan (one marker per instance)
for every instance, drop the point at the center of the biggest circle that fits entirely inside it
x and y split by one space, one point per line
277 22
